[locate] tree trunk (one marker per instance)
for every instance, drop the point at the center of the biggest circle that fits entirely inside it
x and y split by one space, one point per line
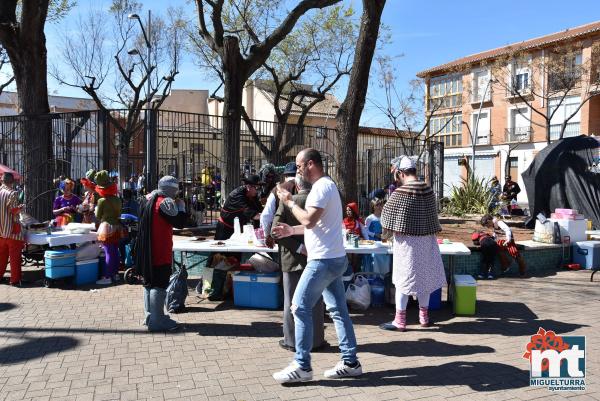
38 158
348 116
233 88
22 36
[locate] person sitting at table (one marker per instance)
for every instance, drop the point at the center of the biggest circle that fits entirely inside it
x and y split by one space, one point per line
244 204
375 262
411 216
293 262
506 244
65 205
354 225
154 250
90 198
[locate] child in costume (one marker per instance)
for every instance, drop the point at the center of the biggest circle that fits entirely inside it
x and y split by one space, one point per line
108 212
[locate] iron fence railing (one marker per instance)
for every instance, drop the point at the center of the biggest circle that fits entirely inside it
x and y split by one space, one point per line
189 146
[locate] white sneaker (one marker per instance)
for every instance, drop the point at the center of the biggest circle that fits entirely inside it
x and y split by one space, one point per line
341 370
293 374
104 281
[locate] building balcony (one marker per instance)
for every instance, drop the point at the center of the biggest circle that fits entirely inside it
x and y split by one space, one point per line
518 134
565 80
483 137
515 92
476 98
572 129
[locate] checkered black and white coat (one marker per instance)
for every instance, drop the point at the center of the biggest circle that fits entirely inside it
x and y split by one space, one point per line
411 210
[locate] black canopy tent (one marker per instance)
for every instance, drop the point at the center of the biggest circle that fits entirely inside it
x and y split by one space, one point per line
565 175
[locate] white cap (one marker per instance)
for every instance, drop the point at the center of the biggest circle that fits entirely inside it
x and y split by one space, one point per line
403 163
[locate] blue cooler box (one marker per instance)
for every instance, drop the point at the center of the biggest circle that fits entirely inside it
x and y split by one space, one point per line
587 254
257 290
86 272
435 299
60 263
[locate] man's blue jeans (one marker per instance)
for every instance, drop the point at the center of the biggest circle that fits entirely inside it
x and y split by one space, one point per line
322 276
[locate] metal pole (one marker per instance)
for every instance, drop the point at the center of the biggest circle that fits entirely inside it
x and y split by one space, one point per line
475 132
149 147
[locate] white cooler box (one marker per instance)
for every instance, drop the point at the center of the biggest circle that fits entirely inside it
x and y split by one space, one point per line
573 228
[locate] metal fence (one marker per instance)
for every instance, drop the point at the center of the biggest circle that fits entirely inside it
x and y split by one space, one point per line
189 146
374 168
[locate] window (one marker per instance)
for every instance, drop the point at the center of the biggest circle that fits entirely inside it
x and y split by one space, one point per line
197 148
513 167
445 91
521 81
520 78
447 128
567 76
482 136
481 87
562 112
519 125
321 132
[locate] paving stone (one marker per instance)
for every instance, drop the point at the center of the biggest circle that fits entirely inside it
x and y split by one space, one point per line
56 346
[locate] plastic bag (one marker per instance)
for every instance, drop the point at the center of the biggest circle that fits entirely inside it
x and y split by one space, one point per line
263 263
543 232
358 295
177 291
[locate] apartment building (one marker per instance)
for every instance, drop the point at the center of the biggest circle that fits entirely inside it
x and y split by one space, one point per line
506 104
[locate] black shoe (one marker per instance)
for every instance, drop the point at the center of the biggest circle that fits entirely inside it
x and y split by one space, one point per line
286 347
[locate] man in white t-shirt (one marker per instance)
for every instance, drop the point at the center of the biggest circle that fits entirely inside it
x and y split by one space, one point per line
327 262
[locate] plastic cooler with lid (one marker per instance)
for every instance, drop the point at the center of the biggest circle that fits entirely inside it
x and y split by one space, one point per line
573 228
587 254
465 294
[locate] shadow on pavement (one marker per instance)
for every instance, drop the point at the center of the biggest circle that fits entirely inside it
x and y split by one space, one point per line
503 318
423 347
479 376
255 329
36 348
4 306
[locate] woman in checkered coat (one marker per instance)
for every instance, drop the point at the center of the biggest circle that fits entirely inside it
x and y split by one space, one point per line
410 215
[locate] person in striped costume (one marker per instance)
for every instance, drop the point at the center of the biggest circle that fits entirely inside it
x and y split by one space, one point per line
11 235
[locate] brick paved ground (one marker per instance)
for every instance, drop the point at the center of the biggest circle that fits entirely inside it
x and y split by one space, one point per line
81 345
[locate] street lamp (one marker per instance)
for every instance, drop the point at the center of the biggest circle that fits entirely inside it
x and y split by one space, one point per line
150 149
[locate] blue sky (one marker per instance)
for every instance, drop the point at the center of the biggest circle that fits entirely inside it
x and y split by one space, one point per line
426 33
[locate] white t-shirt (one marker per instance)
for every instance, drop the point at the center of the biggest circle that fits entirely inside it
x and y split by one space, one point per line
324 240
268 214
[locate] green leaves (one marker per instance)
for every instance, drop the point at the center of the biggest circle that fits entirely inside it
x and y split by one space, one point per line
472 197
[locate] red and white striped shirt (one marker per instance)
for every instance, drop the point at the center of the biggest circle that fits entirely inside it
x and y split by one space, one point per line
8 216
